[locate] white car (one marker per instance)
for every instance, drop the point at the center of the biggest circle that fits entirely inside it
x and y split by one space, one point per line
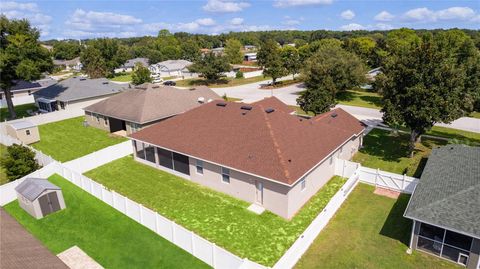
157 80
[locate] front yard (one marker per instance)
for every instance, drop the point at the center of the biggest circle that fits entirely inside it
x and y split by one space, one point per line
68 139
381 149
122 78
368 231
225 82
360 98
217 217
108 236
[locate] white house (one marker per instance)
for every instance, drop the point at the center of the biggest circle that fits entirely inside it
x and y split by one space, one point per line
171 68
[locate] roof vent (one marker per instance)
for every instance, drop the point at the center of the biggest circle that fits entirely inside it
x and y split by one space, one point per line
334 115
105 82
209 100
82 79
246 107
222 104
201 100
269 110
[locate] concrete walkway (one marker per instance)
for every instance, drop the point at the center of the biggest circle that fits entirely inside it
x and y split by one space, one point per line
289 94
76 258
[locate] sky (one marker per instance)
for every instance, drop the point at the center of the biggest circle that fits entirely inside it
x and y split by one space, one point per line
62 19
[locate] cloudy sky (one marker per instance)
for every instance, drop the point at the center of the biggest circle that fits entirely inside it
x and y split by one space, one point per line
86 19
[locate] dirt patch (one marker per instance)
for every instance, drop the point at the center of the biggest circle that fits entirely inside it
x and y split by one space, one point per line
386 192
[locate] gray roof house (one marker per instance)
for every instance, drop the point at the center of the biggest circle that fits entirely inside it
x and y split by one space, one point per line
74 90
130 64
144 105
170 68
445 205
39 197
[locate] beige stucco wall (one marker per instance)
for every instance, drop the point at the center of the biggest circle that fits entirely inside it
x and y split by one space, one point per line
21 134
319 176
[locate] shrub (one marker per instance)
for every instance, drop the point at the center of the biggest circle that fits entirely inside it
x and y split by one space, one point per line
239 74
19 161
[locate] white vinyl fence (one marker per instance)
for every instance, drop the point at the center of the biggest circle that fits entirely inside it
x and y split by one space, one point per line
199 247
41 158
100 157
253 74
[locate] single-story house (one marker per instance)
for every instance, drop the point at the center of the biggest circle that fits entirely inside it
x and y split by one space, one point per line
373 73
23 130
250 57
218 51
144 105
130 64
445 206
22 91
261 154
170 68
74 90
70 65
249 47
39 197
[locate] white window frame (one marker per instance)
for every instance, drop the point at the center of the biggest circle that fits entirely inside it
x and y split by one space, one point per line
303 184
199 166
225 173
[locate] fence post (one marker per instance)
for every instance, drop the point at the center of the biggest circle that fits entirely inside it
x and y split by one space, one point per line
113 199
214 260
376 176
403 182
173 231
141 213
192 242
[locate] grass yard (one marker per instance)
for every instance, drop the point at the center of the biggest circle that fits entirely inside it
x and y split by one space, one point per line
455 134
122 78
475 114
217 217
68 139
108 236
21 111
300 111
360 98
383 150
3 172
368 231
226 82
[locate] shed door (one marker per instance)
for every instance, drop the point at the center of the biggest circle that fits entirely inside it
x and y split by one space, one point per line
49 203
54 201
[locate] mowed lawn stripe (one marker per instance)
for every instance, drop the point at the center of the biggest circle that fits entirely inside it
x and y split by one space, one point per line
108 236
67 140
217 217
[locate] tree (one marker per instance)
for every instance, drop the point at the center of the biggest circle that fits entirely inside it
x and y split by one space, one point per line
362 46
93 63
233 51
210 66
291 60
21 56
102 56
140 74
427 80
269 57
190 50
329 71
19 161
66 50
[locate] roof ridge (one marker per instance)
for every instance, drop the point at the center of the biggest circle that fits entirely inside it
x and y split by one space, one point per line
276 145
143 93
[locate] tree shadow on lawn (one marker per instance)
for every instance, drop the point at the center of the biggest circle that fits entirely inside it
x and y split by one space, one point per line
373 100
385 145
396 226
346 96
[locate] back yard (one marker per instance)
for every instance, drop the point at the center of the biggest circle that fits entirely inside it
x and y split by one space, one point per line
368 231
21 111
217 217
109 237
68 139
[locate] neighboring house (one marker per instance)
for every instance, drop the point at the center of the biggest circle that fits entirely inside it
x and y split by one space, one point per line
373 73
22 91
23 130
170 68
130 64
218 51
445 206
73 90
249 48
146 104
254 152
250 57
70 65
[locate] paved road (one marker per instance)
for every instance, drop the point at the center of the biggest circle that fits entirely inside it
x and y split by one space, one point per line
252 92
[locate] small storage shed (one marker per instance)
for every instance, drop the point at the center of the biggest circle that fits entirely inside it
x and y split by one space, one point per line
39 197
24 131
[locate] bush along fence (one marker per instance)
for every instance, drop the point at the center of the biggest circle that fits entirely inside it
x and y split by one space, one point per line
41 158
199 247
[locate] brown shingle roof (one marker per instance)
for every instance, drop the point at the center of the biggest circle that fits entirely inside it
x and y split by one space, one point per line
276 145
150 102
275 103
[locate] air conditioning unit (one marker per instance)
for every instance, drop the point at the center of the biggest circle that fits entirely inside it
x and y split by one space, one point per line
201 100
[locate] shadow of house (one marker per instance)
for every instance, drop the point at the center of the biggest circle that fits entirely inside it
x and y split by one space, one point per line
396 226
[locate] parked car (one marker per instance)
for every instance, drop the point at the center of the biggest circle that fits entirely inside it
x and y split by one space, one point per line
169 83
157 80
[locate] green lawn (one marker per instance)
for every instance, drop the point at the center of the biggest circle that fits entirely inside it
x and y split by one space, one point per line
226 82
300 111
122 78
68 139
360 98
21 111
368 231
217 217
475 114
108 236
3 172
455 134
388 152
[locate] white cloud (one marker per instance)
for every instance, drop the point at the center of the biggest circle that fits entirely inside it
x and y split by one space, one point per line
352 27
29 11
420 14
347 14
383 26
236 21
384 16
293 3
10 5
291 22
225 6
205 22
451 14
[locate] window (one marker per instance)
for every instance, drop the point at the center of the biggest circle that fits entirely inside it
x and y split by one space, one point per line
140 150
225 175
105 121
303 184
98 118
27 132
150 153
199 167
